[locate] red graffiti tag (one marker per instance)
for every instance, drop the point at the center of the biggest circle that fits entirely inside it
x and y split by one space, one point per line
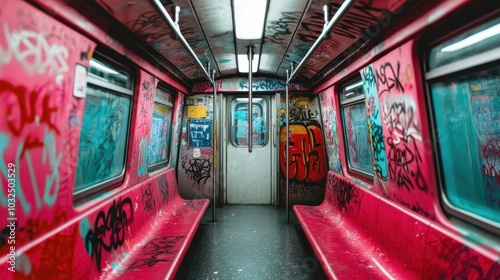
307 155
26 107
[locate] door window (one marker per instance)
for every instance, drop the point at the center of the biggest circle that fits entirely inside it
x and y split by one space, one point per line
239 122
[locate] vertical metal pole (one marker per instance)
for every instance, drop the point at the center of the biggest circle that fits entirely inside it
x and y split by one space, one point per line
326 11
214 135
286 149
250 119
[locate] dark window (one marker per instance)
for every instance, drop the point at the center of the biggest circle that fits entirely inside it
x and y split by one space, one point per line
105 125
239 122
464 82
354 124
161 127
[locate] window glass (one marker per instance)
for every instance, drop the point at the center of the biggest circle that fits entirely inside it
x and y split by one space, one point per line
351 91
105 125
477 40
101 153
467 114
358 141
356 128
105 71
239 126
161 125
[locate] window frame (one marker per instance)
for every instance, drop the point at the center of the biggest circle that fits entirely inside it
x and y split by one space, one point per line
359 99
98 82
265 110
468 65
161 166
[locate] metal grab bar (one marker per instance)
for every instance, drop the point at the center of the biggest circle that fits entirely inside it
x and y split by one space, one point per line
286 148
250 119
177 30
215 146
326 29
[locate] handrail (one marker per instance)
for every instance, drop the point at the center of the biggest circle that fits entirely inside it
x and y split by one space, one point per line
326 29
286 148
250 119
175 27
214 137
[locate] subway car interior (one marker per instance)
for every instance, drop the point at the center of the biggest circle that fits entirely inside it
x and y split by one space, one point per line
250 139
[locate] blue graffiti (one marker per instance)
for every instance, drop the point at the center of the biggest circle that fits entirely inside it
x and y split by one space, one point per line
160 137
122 257
101 152
267 84
143 161
84 228
52 180
4 142
375 122
55 160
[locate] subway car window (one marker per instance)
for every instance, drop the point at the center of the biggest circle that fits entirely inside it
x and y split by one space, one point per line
161 126
466 111
105 126
239 122
352 100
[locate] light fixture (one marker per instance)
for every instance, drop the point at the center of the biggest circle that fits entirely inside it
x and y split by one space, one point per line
102 67
473 39
243 63
241 99
249 18
353 86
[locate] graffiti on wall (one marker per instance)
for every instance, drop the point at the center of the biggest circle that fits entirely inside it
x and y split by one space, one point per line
38 135
142 133
109 228
393 78
347 196
198 169
403 154
241 85
308 163
34 51
307 153
307 156
176 128
330 130
375 127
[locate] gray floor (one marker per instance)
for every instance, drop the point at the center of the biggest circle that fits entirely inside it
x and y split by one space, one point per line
250 242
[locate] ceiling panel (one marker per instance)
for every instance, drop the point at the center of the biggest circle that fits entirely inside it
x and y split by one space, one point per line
349 30
282 21
291 28
216 20
143 18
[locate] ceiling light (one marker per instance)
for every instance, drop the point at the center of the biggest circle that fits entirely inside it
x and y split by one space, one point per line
353 86
249 18
243 63
473 39
102 67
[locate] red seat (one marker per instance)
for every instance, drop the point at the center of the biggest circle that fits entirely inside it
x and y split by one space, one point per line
348 239
164 237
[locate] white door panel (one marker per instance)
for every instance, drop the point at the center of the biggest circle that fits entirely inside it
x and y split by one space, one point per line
249 179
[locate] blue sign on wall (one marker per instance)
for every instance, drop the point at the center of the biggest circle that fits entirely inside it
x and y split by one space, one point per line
200 133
